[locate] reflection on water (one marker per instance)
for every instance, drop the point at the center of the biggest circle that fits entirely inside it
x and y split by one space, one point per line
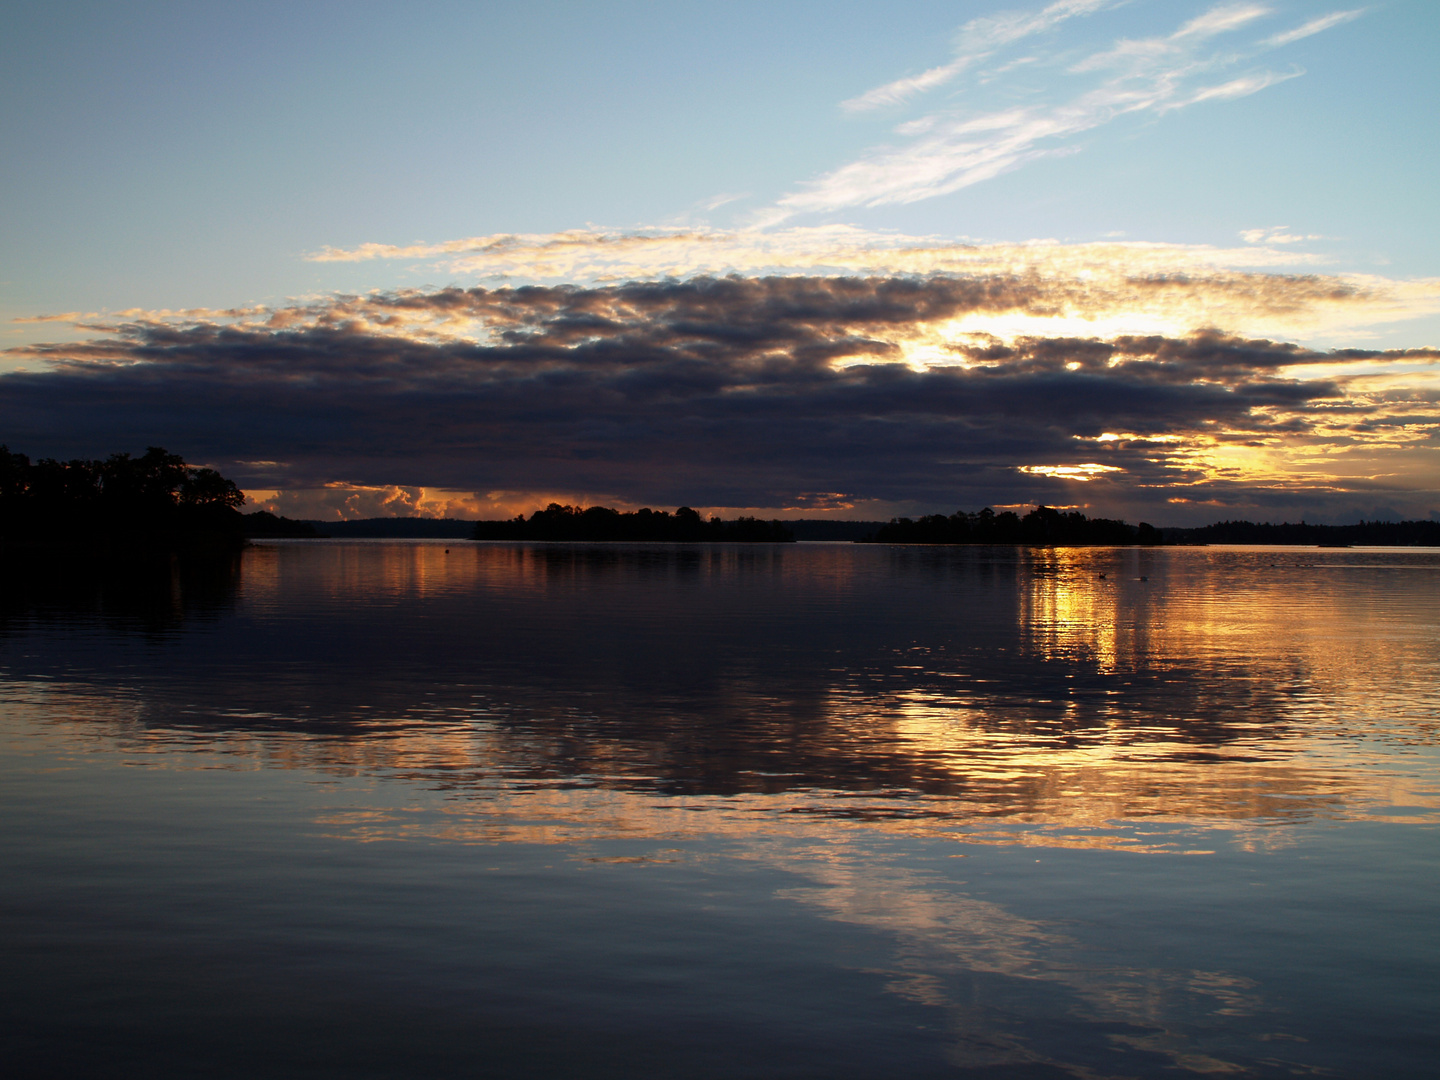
152 595
1051 687
1168 730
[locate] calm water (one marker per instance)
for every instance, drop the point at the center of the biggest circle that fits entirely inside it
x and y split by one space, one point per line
392 810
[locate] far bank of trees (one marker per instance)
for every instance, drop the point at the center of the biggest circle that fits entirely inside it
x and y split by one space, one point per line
157 501
1363 533
1041 527
1045 526
557 522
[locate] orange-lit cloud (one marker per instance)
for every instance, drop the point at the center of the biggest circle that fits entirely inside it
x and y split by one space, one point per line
339 501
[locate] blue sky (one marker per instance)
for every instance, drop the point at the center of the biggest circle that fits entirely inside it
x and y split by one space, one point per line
162 158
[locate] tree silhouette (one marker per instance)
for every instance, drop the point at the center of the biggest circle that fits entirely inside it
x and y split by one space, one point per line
154 499
1042 527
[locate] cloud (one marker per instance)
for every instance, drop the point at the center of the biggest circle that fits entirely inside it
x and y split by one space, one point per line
83 318
1314 26
1220 20
976 40
1097 288
956 147
597 255
1244 86
1276 234
1039 290
762 392
340 501
723 199
63 317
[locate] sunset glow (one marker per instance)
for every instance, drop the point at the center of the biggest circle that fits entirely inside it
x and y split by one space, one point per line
1027 236
694 541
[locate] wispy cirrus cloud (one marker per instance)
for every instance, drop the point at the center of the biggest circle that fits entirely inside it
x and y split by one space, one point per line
1276 234
977 40
956 146
1219 20
1240 87
1314 26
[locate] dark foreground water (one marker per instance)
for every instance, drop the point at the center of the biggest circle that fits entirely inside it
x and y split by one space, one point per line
392 810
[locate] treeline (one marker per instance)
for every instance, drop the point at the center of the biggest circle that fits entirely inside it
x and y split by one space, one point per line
1041 527
1365 533
152 501
685 526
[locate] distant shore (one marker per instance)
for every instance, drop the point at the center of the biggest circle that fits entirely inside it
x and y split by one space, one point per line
124 507
1361 534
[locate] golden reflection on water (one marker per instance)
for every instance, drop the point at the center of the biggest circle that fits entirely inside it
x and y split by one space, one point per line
1061 615
1191 689
1184 689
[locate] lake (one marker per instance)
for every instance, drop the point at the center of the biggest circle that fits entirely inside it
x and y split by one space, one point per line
434 809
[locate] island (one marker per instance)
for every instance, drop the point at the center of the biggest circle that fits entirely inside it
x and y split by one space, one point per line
1041 527
685 526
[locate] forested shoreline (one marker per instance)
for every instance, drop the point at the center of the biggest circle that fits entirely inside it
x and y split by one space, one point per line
1047 527
159 502
125 505
1363 534
573 523
1041 527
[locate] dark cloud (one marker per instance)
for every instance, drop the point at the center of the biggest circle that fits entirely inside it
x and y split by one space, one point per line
722 392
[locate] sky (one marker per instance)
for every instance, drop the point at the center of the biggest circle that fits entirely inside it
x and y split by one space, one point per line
1164 260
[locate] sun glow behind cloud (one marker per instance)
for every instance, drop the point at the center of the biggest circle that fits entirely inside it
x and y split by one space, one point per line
1085 473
